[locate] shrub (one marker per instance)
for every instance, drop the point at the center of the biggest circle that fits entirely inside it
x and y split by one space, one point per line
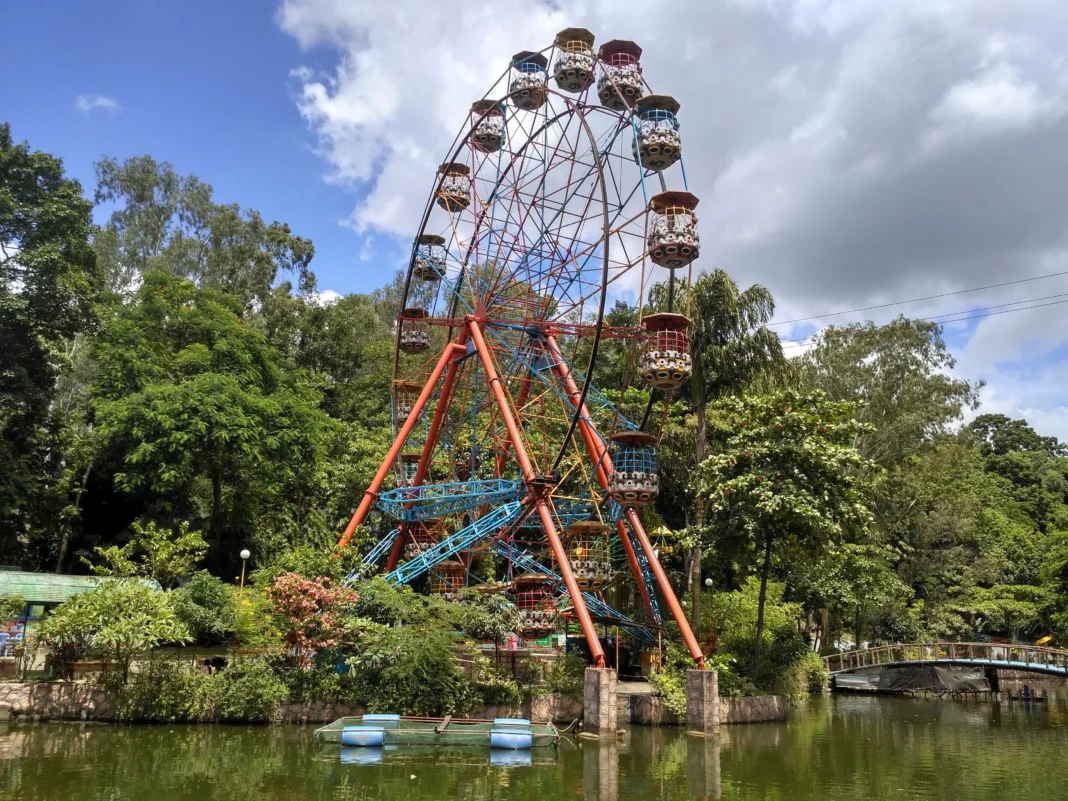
256 629
733 620
671 687
322 682
207 607
568 676
169 691
410 670
116 621
670 681
63 657
247 690
313 612
383 603
309 563
493 685
11 606
488 616
162 690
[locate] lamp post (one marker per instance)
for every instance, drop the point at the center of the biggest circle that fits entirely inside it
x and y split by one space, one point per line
245 554
708 583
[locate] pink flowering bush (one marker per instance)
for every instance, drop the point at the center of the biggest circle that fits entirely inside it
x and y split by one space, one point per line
311 612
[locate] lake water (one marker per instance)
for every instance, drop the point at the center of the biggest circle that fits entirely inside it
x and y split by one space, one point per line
855 748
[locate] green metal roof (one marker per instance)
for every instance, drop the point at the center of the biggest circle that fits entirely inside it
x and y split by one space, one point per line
50 588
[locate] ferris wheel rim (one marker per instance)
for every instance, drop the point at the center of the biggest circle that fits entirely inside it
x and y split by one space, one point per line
573 108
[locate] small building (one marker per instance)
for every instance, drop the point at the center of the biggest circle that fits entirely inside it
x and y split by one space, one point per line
42 591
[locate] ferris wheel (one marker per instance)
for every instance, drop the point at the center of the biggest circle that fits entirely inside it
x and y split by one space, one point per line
565 185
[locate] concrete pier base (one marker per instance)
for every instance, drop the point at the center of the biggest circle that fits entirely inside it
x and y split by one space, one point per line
599 702
702 701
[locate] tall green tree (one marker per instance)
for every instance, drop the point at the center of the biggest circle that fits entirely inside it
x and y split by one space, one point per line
1001 435
788 481
731 347
167 222
200 416
899 372
49 285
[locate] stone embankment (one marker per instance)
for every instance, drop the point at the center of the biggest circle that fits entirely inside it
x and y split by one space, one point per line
78 701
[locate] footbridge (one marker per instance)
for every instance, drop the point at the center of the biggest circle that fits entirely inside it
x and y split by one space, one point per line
1004 656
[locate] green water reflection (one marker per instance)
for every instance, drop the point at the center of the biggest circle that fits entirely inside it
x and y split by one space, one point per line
842 748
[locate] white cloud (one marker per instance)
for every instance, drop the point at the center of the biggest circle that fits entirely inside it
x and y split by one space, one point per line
846 152
87 103
327 297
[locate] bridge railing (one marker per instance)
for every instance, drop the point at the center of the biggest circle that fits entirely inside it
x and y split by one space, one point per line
1029 655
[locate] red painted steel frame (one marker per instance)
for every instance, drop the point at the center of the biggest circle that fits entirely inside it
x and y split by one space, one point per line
451 350
600 456
539 502
429 445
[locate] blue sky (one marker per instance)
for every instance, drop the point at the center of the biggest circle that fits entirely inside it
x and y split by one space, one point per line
204 85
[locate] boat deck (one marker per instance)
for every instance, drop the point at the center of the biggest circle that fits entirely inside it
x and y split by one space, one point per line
437 731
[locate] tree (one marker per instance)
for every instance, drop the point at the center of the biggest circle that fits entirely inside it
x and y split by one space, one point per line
49 285
166 222
788 480
201 413
311 612
207 607
11 606
162 554
731 346
1013 609
116 621
1000 435
899 373
488 616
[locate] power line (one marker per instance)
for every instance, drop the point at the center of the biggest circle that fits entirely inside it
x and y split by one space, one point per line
796 343
983 310
917 300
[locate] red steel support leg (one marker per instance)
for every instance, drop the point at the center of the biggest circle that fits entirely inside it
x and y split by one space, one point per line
600 458
665 588
632 516
539 502
521 401
429 445
387 464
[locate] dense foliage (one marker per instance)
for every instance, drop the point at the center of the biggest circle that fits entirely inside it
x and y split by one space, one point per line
49 289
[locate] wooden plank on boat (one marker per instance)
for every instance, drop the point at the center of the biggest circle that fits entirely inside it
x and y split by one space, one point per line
444 725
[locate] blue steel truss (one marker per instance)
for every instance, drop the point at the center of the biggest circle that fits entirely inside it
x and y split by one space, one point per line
598 607
462 540
372 557
435 500
647 575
